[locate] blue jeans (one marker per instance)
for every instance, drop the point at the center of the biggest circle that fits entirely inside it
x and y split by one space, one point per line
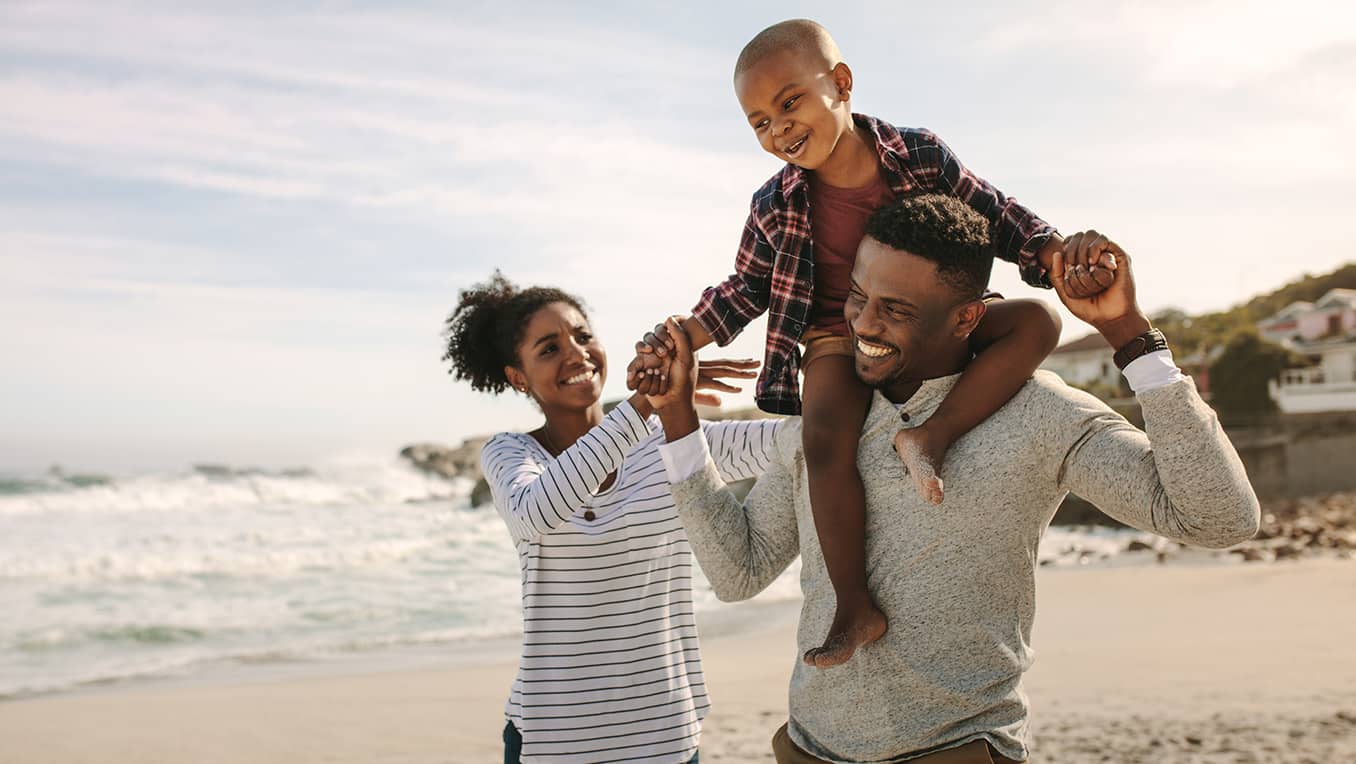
513 746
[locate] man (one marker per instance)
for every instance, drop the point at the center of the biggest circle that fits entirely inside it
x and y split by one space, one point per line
957 581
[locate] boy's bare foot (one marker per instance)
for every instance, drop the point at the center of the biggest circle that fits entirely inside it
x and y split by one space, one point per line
852 628
922 452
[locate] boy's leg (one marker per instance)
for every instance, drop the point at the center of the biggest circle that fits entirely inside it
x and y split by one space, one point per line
834 404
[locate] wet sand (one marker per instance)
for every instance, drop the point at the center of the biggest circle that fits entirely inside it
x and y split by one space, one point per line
1177 663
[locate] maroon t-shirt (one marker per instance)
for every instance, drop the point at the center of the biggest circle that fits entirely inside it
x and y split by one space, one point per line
837 224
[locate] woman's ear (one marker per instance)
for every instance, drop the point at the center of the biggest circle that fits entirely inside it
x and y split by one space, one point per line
516 378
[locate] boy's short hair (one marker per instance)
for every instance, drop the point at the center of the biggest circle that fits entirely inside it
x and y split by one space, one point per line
944 230
794 34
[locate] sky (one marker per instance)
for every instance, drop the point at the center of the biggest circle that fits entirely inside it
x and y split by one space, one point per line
231 232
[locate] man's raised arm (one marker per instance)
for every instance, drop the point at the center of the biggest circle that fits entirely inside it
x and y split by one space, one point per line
742 547
1183 480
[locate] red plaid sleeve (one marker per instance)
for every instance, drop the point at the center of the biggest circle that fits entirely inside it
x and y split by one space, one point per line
1018 233
725 309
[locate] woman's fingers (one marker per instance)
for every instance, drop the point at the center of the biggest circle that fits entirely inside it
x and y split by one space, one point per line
706 383
707 399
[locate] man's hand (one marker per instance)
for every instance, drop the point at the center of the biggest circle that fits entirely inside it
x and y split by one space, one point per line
675 404
1113 312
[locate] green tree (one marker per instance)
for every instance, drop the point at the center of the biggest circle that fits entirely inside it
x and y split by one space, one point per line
1239 377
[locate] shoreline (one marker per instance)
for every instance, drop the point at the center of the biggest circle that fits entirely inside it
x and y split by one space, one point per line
1254 662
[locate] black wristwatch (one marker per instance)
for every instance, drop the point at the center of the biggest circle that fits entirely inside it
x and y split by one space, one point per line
1146 343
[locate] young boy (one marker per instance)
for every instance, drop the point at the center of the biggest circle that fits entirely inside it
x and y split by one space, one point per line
794 260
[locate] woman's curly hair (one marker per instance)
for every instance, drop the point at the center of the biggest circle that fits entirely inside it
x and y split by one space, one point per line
942 229
484 330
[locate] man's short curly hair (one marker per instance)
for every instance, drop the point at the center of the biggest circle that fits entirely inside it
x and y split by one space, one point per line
942 229
484 330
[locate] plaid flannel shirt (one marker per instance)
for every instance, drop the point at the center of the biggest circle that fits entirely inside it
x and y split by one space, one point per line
774 270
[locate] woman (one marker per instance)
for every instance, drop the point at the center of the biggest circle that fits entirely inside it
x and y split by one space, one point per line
610 669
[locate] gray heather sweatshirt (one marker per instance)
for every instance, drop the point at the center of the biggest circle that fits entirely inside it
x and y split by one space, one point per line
957 581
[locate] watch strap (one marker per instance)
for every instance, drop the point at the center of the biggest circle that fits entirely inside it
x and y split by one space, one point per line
1146 343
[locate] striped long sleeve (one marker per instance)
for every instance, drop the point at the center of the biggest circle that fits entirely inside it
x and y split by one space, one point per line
535 498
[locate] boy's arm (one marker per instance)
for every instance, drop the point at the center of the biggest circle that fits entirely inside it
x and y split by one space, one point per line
1012 339
725 309
1019 235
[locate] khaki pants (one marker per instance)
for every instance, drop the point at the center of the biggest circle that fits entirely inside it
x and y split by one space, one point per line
977 752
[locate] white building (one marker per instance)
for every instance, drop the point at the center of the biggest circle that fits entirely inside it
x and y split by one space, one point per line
1085 361
1324 330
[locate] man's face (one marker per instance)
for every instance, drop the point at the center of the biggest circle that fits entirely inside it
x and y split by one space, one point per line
907 324
792 103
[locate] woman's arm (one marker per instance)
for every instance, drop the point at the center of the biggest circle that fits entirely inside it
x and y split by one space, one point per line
534 496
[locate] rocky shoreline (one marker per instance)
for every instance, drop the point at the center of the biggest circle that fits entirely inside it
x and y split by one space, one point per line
1291 528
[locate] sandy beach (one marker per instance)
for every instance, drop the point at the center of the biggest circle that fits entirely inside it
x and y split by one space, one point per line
1169 663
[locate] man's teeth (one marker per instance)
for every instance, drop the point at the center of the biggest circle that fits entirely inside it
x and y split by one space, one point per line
873 351
581 377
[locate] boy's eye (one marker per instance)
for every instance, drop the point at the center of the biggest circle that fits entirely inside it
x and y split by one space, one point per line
760 124
790 102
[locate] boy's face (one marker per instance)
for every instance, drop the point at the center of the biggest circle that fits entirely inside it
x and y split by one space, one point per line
796 106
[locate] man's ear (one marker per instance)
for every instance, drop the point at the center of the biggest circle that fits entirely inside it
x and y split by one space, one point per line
968 316
842 80
516 378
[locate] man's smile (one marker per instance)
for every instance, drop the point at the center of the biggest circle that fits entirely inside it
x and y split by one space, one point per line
873 351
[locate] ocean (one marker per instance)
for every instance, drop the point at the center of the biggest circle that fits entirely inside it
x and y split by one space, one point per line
106 579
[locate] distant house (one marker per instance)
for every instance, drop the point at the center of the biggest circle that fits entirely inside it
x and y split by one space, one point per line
1325 332
1089 361
1332 315
1084 362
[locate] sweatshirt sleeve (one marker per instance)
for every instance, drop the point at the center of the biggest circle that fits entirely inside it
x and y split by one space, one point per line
741 547
535 496
1180 478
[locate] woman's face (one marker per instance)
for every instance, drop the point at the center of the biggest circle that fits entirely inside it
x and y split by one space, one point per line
560 361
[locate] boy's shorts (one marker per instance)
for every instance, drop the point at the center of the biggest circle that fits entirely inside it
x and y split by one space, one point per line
822 342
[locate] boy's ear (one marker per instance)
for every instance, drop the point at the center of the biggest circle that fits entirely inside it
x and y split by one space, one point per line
842 80
968 316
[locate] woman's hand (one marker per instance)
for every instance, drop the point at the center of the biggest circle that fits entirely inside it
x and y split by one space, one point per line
710 374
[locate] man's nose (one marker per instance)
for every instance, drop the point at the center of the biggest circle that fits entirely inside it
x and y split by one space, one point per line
867 321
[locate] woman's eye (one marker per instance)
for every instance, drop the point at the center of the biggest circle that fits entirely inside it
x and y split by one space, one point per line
548 349
585 338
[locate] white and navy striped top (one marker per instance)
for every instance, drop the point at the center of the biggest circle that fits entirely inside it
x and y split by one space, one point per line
610 669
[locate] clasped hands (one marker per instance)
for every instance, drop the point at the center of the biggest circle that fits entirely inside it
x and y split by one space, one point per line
673 375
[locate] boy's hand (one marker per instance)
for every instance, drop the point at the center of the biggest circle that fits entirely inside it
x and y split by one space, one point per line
1089 264
657 341
651 353
1114 312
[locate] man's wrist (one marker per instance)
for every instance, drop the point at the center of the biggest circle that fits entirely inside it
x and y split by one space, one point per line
679 420
1120 331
